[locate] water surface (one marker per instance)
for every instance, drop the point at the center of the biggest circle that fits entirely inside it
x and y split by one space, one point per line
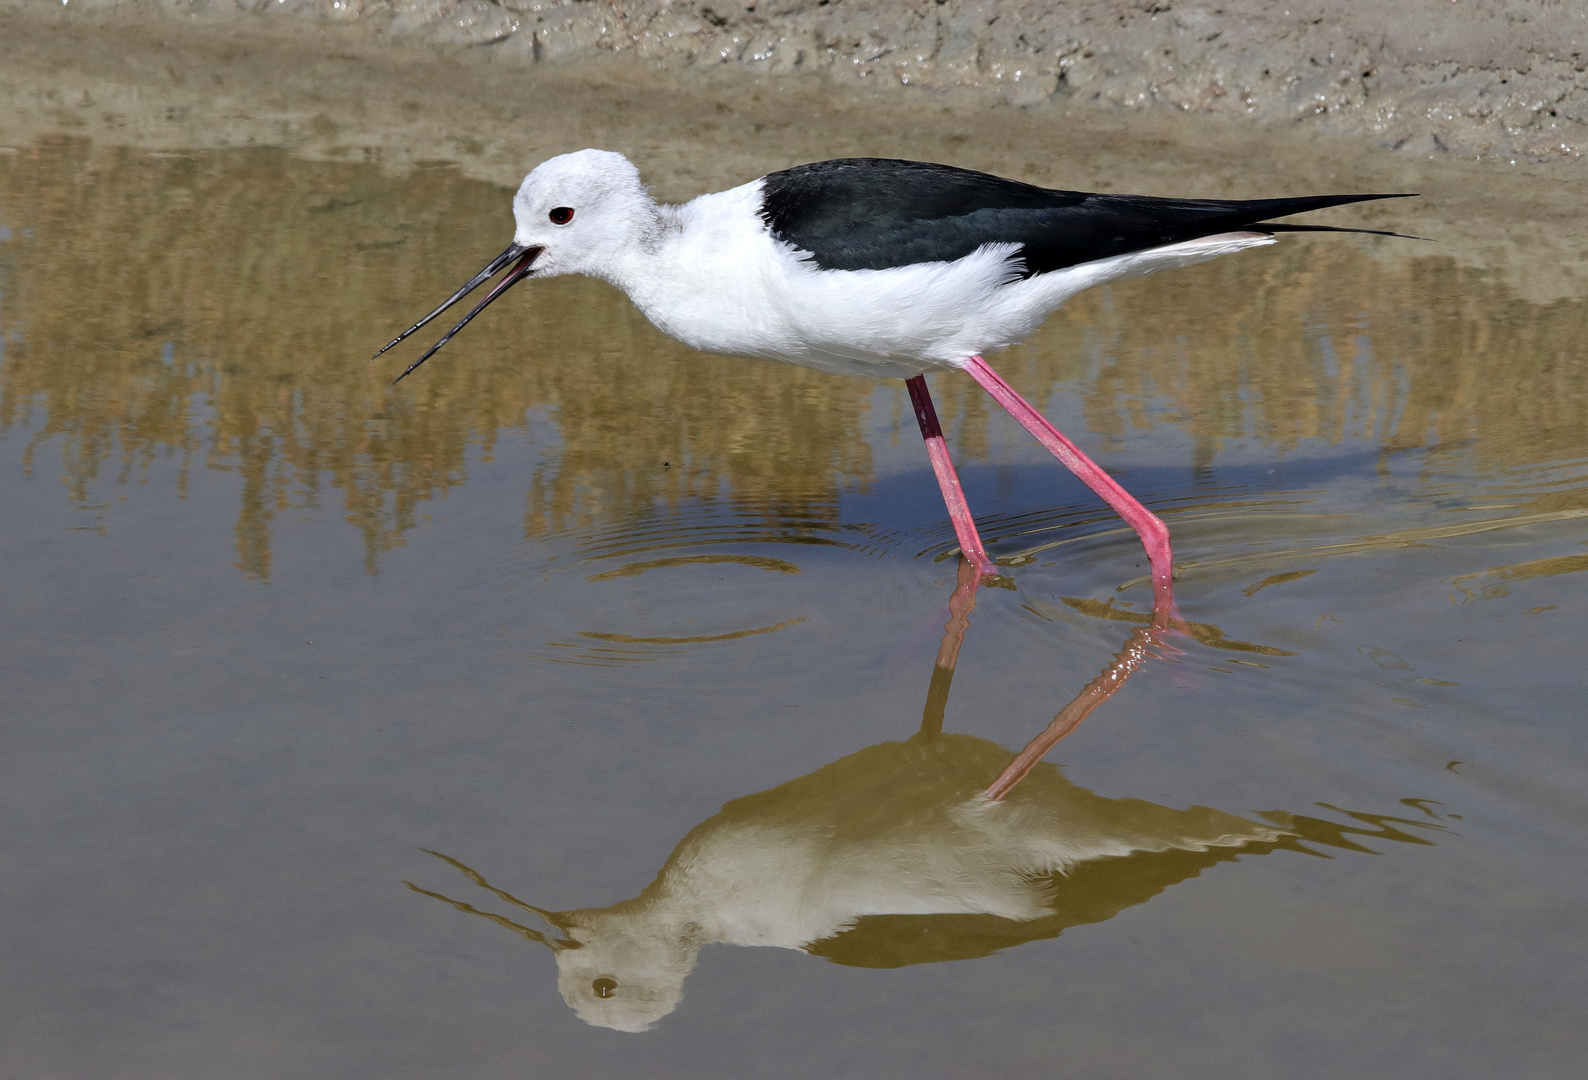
650 640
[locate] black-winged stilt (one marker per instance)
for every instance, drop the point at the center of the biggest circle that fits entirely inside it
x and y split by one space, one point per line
876 267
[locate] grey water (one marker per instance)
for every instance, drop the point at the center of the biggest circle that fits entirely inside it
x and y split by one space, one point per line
650 641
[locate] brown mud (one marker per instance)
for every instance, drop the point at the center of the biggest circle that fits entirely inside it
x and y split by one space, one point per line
1504 77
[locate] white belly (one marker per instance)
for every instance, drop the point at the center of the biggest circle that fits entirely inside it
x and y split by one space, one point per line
721 284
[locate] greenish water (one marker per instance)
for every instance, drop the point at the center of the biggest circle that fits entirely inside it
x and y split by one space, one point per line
578 609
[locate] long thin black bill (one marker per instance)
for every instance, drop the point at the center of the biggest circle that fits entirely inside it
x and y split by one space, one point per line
512 252
516 275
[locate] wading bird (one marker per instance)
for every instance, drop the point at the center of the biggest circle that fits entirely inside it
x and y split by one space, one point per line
873 267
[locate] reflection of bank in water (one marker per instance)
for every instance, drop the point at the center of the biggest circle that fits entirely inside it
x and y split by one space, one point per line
892 856
174 356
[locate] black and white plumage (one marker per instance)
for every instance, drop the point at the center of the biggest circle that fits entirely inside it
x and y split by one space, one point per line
862 266
874 267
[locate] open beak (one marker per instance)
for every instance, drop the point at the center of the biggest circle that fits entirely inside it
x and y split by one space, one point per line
526 257
555 944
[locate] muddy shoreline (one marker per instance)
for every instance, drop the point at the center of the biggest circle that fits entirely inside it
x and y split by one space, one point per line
351 93
1427 77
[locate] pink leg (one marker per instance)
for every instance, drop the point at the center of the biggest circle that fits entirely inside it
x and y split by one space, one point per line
960 605
1153 532
1137 649
947 479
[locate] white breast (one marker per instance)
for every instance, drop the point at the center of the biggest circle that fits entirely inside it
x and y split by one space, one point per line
718 282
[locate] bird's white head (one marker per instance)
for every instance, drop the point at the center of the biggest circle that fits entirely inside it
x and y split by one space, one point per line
579 213
585 211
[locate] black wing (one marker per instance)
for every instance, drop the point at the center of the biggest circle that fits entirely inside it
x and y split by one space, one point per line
877 213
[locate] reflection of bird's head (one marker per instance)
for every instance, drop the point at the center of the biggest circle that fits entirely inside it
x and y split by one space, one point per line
629 969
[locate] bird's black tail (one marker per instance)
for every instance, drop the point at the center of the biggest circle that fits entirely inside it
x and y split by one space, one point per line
1259 211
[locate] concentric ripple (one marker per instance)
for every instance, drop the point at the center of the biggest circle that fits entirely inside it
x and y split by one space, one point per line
662 584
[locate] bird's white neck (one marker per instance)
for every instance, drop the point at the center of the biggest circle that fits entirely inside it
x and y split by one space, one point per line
639 264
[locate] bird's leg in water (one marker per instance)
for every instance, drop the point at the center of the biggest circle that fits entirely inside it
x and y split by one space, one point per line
1138 647
947 478
1153 532
960 606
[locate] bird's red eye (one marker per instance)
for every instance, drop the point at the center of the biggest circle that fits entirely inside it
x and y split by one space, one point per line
561 215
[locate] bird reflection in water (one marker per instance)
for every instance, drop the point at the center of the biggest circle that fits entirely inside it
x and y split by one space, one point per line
935 848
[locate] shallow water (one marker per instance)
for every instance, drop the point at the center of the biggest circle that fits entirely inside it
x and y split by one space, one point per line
278 631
